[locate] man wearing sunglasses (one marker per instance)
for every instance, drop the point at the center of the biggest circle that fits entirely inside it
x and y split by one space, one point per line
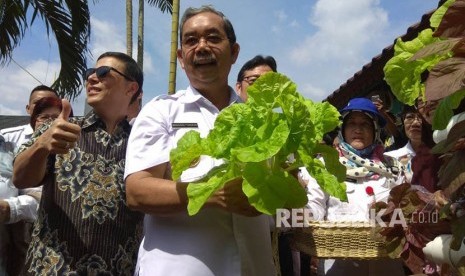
84 226
228 236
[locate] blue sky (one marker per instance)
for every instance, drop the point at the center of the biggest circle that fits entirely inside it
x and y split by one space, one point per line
318 44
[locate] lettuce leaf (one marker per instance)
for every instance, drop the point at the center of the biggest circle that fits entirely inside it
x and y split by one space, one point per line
437 16
256 141
403 73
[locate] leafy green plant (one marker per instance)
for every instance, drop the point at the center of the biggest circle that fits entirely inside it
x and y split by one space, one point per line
263 141
403 71
445 83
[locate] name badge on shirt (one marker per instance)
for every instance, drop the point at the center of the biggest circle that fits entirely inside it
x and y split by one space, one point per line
184 125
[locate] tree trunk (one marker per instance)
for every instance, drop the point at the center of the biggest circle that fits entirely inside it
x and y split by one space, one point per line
140 35
129 27
174 47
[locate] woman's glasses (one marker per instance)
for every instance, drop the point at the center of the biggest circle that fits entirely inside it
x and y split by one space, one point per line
44 117
103 71
411 117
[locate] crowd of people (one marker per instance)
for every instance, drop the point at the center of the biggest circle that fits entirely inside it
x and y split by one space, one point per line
99 192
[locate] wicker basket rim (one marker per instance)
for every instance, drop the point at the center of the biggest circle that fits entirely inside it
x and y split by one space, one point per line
339 224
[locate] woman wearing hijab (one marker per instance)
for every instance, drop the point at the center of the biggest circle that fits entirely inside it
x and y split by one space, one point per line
369 178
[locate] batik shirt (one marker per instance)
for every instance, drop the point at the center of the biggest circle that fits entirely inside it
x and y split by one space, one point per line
84 226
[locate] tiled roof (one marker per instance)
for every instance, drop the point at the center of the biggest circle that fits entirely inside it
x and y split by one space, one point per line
371 75
7 121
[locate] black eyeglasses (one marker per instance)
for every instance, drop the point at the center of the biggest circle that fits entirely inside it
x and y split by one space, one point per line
102 71
250 79
212 40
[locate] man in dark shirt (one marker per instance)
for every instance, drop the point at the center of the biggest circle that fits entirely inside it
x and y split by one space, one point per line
84 225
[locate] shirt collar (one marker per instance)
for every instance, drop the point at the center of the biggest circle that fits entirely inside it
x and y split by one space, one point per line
92 118
193 95
28 130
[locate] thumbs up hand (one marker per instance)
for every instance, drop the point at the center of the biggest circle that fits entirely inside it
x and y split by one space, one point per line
65 110
62 135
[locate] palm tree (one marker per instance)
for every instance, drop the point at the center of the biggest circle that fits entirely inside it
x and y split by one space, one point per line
129 27
69 22
163 5
140 35
174 46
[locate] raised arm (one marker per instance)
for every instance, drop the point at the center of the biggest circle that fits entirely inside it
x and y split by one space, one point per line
390 123
30 165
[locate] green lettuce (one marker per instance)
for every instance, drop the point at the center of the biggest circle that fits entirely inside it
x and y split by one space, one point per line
403 73
263 142
436 17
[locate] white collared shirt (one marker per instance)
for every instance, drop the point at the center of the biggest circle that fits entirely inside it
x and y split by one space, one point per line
325 207
212 242
25 202
404 155
17 135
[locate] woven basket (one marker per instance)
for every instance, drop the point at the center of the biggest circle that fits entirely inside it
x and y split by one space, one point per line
348 240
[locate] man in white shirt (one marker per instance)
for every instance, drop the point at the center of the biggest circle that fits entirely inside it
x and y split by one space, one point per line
20 134
24 206
228 236
18 208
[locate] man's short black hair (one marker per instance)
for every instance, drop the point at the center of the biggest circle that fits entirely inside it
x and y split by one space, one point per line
131 69
190 12
255 62
43 88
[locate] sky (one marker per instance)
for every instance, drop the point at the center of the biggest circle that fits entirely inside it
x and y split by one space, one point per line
318 44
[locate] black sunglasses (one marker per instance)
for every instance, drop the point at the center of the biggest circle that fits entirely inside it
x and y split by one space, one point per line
102 71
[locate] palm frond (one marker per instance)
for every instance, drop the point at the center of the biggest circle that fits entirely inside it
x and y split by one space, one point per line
163 5
70 23
13 24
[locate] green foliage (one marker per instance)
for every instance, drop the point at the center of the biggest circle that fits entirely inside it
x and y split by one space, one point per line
403 74
68 21
445 109
437 16
263 141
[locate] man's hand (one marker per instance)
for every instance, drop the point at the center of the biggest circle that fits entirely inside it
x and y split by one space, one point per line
62 135
232 198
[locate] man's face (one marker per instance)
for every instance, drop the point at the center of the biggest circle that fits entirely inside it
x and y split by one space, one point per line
250 76
206 54
111 91
37 95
